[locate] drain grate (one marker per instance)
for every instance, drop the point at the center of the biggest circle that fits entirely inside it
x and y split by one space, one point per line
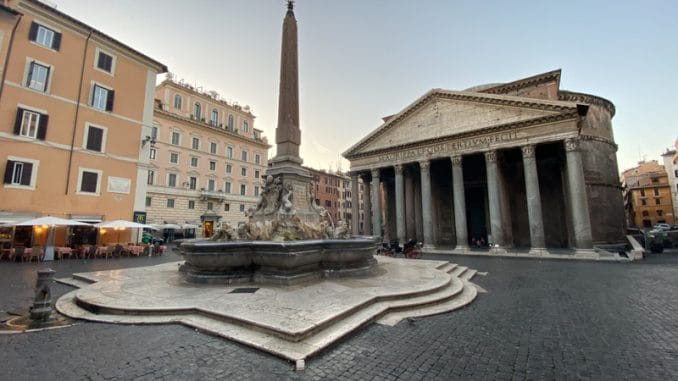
244 290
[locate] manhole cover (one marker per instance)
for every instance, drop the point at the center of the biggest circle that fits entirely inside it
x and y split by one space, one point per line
244 290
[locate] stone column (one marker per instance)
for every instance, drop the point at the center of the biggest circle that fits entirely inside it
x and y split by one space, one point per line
418 221
376 205
496 226
355 204
410 229
426 204
400 204
459 204
533 199
367 207
578 199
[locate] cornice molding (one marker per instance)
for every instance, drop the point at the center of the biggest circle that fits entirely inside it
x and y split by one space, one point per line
525 82
571 96
205 97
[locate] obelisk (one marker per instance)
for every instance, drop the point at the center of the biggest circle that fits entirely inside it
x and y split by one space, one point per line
286 165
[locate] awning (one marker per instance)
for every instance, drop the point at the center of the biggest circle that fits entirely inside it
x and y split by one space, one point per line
89 218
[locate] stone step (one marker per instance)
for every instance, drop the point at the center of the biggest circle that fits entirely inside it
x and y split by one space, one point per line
467 295
447 267
458 271
73 282
468 274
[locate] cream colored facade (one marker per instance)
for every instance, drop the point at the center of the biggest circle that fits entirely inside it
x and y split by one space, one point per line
207 161
74 106
647 195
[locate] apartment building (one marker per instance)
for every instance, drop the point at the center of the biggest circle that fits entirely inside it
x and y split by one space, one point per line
207 160
670 158
75 105
647 195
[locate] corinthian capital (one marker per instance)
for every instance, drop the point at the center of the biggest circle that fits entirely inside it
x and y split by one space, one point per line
491 156
528 151
375 173
398 169
425 166
456 160
571 144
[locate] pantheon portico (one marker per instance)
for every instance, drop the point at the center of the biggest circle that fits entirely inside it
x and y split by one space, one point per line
519 165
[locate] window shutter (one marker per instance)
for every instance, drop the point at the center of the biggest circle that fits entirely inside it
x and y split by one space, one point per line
26 174
19 119
109 100
56 42
42 127
8 172
30 73
33 32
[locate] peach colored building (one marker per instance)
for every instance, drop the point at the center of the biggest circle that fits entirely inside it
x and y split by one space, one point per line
207 161
74 106
647 195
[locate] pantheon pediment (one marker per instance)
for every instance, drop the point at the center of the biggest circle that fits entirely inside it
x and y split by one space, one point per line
442 113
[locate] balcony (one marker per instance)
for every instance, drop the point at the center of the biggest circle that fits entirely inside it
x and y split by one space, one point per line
212 195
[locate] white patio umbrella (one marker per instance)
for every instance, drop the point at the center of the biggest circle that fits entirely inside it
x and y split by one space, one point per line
51 222
123 224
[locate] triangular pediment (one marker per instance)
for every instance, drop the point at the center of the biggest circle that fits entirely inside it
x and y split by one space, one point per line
442 113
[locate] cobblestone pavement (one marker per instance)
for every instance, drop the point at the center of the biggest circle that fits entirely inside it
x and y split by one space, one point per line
539 320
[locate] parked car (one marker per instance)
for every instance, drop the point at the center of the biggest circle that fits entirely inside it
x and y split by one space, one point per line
662 226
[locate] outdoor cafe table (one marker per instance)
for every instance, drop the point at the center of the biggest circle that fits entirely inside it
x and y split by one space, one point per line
136 249
63 251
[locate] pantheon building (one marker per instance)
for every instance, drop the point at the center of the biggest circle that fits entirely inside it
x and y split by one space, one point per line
521 165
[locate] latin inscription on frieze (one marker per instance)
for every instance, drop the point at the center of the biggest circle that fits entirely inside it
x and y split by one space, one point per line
449 147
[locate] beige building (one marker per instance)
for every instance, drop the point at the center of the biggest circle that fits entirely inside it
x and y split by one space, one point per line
647 195
74 106
206 160
521 165
670 158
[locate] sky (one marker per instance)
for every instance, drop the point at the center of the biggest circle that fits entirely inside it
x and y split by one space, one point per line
361 60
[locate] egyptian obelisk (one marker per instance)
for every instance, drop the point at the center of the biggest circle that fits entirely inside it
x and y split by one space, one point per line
286 165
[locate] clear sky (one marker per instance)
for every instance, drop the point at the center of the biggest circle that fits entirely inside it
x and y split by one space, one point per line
360 60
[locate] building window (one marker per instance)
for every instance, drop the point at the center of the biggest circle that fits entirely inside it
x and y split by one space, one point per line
191 204
255 134
176 138
195 143
227 187
38 76
19 173
242 207
197 110
174 158
30 124
256 190
660 212
230 122
193 182
245 126
243 156
215 117
194 162
89 181
227 207
213 165
656 191
229 152
102 98
257 159
243 189
210 185
229 168
170 203
105 62
177 101
172 180
643 202
243 171
150 177
44 36
256 174
645 213
94 139
151 154
148 202
213 148
210 205
642 193
657 201
675 173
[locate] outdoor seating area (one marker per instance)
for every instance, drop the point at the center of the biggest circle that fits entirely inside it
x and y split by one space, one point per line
36 253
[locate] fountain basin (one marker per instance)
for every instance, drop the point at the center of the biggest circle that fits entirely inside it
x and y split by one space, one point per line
289 262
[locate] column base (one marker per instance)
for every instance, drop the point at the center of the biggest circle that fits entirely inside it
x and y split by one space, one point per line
498 250
538 251
461 249
586 253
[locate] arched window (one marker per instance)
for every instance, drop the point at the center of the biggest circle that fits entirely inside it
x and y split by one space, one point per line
215 117
230 122
177 101
245 126
197 110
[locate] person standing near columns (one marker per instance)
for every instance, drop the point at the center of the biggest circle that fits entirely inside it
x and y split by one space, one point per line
355 203
534 212
376 205
426 212
459 204
496 226
578 198
400 203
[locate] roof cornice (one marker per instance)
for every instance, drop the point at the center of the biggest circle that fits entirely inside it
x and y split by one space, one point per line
538 79
206 97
